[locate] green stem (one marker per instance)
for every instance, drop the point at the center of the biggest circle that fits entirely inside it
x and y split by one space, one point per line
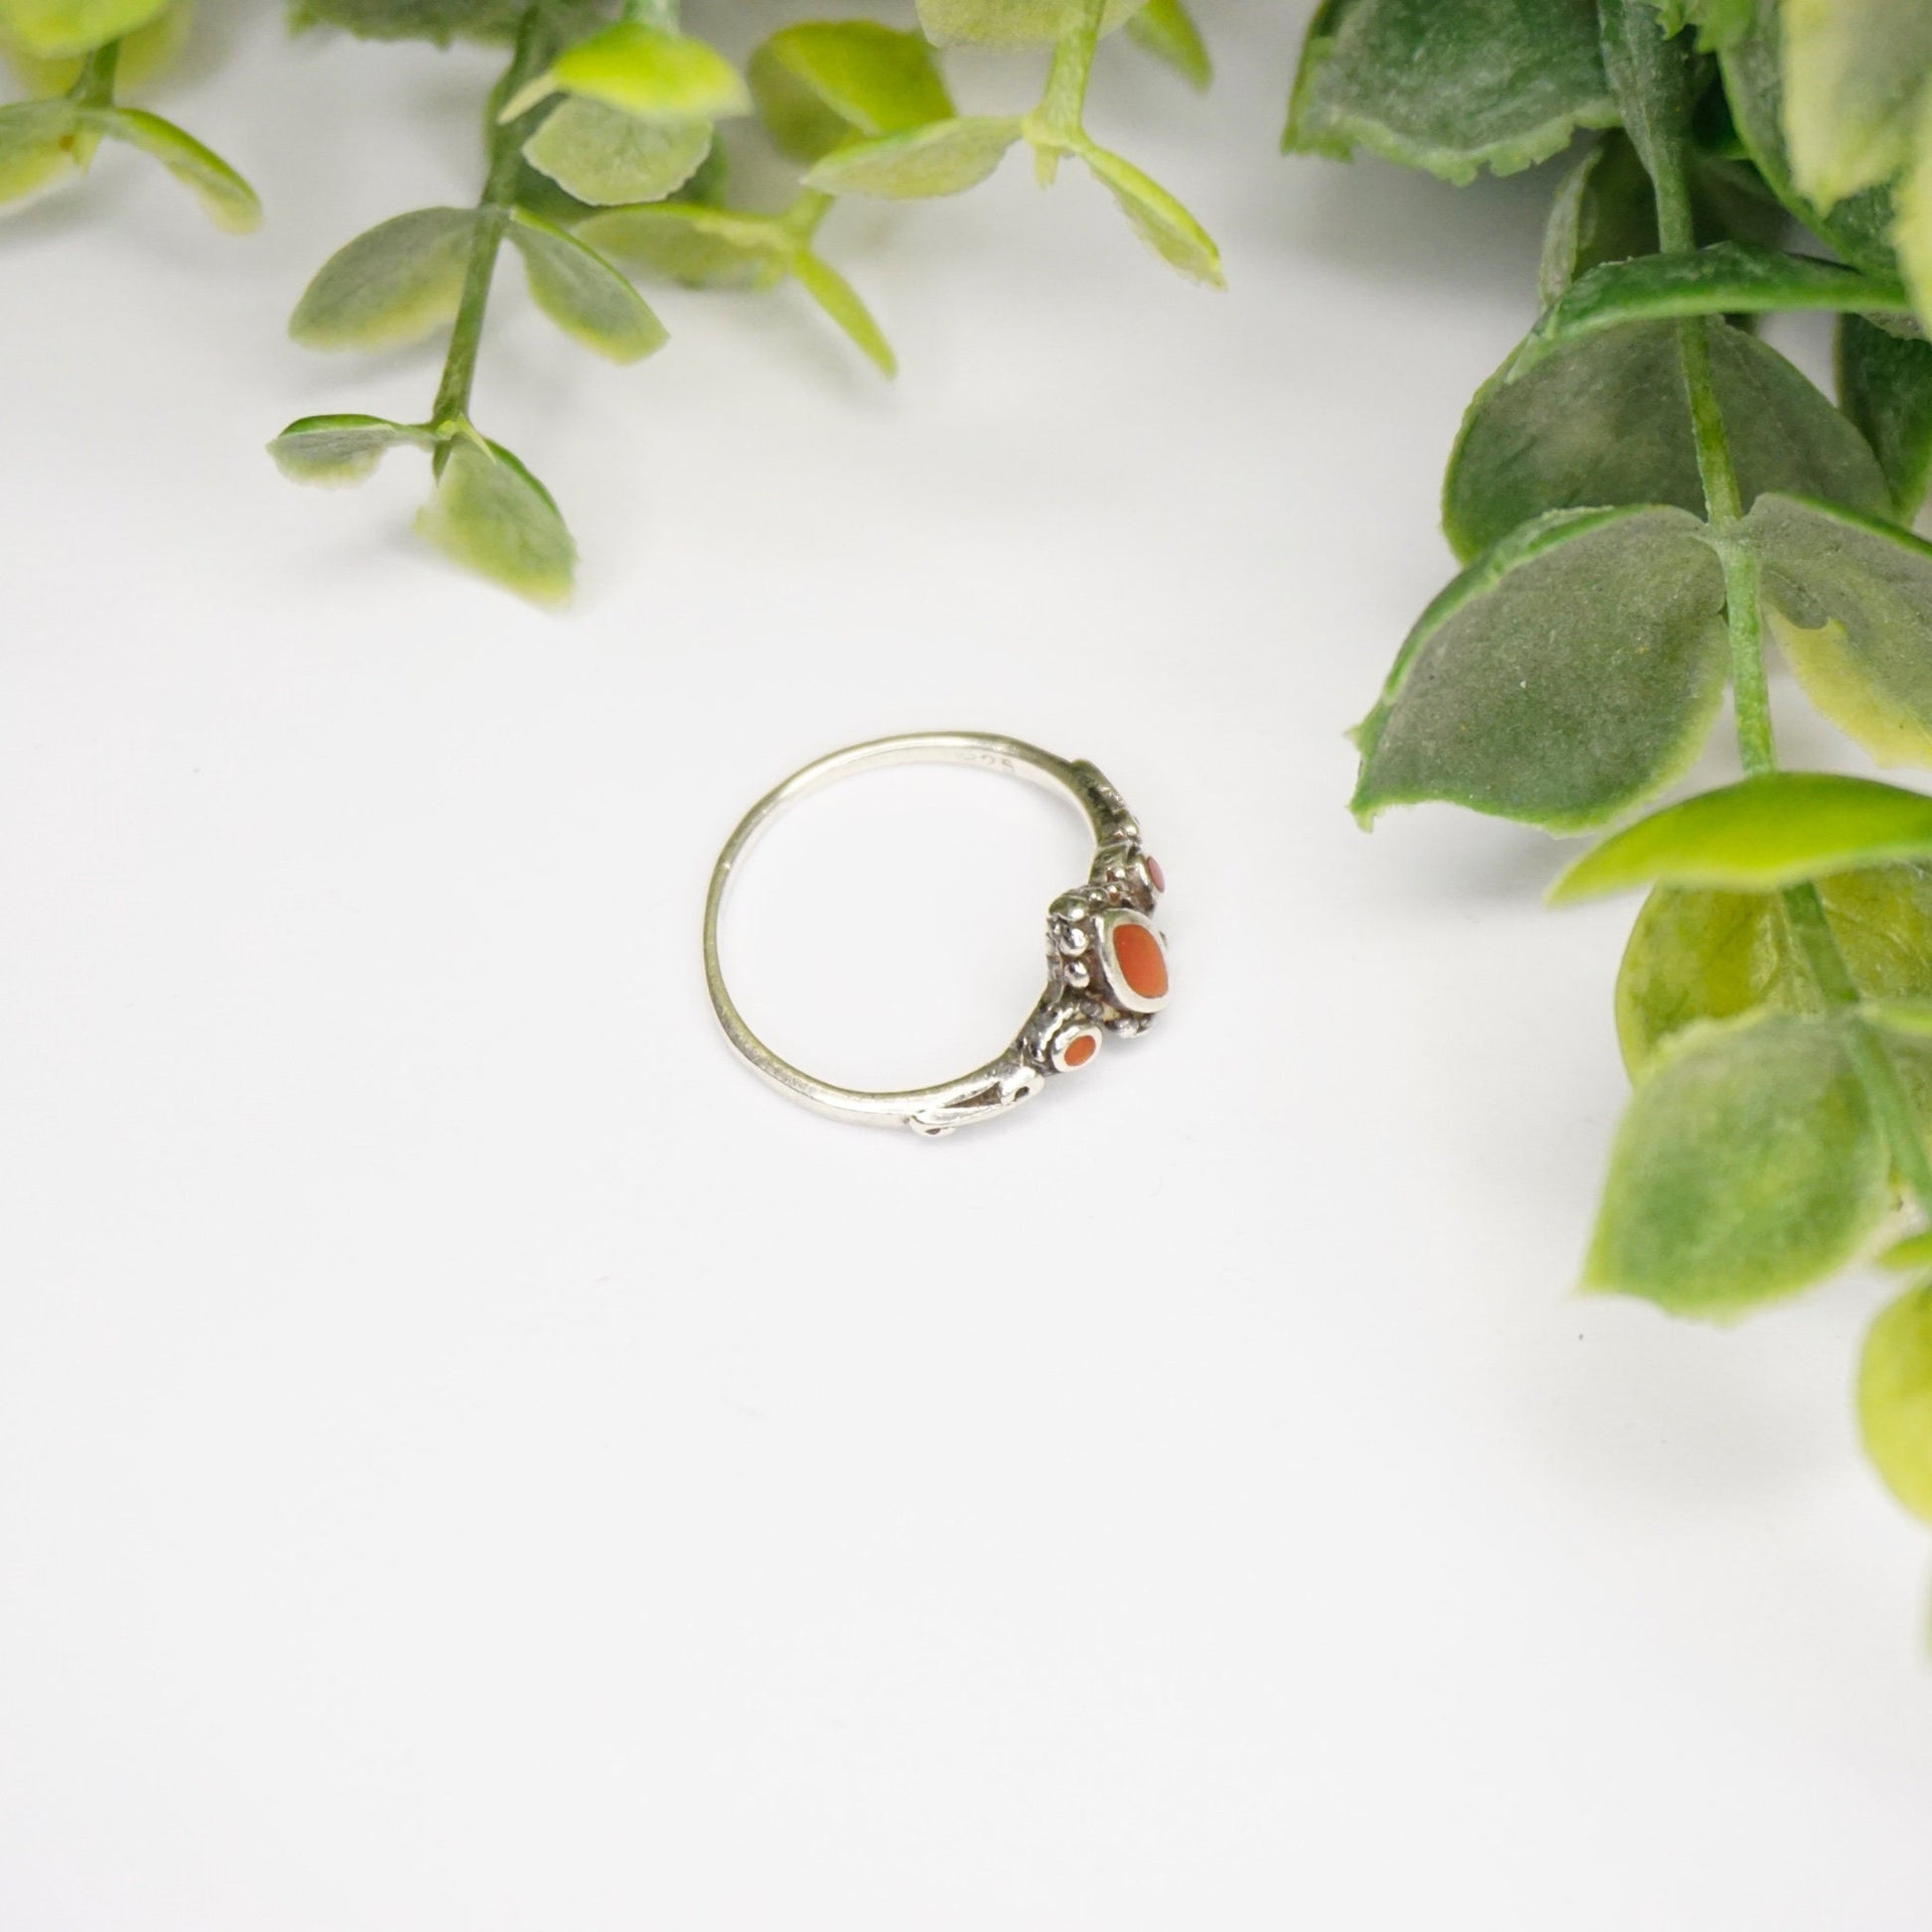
1804 909
93 85
505 152
1056 124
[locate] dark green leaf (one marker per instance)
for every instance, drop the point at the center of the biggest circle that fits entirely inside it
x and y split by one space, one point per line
51 28
1860 229
583 294
1606 420
606 157
820 83
494 517
1167 30
1896 1398
1011 23
1885 383
1567 675
338 450
1718 23
1155 217
229 200
1749 1165
1604 212
1729 278
438 21
1450 85
394 284
1851 603
1698 954
1759 834
944 158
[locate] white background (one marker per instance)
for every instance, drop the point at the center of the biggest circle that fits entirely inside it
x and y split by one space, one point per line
472 1461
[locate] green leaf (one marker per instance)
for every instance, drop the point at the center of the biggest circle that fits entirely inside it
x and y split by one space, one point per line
818 83
1896 1398
1567 675
1718 23
1909 1256
229 200
1749 1165
943 158
700 246
1858 228
1851 603
37 145
1913 232
1155 217
1606 420
1761 834
1855 74
1167 30
606 157
492 516
583 294
835 295
394 284
1696 954
1885 383
1450 85
643 71
438 21
1729 278
338 450
145 54
1605 210
1011 23
51 28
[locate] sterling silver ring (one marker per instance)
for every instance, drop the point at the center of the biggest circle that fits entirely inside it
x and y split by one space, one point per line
1106 960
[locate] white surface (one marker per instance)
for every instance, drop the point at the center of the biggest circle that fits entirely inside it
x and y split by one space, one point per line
470 1460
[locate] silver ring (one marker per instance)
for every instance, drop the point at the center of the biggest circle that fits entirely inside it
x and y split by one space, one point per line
1106 960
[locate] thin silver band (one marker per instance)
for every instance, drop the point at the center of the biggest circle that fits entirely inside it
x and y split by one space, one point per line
1087 990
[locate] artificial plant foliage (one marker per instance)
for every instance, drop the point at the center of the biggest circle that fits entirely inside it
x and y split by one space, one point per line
1649 499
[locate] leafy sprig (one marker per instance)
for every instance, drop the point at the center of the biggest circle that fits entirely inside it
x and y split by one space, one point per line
1646 495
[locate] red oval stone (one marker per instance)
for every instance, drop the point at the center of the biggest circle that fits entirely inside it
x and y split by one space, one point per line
1154 873
1142 965
1079 1050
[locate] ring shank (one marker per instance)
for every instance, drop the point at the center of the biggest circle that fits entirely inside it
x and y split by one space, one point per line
990 1084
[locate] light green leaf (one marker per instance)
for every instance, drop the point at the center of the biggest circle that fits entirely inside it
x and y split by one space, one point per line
1909 1256
145 54
606 157
1913 233
583 294
1896 1398
229 200
492 516
1167 30
1855 74
51 28
1757 835
700 246
1155 217
943 158
1696 954
37 143
1605 210
1606 420
836 296
1858 228
1885 385
645 70
394 284
1851 603
335 450
1011 23
820 83
1727 278
1569 674
1749 1165
1450 85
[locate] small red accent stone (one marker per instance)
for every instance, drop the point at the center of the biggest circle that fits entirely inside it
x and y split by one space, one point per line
1154 873
1079 1050
1142 965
